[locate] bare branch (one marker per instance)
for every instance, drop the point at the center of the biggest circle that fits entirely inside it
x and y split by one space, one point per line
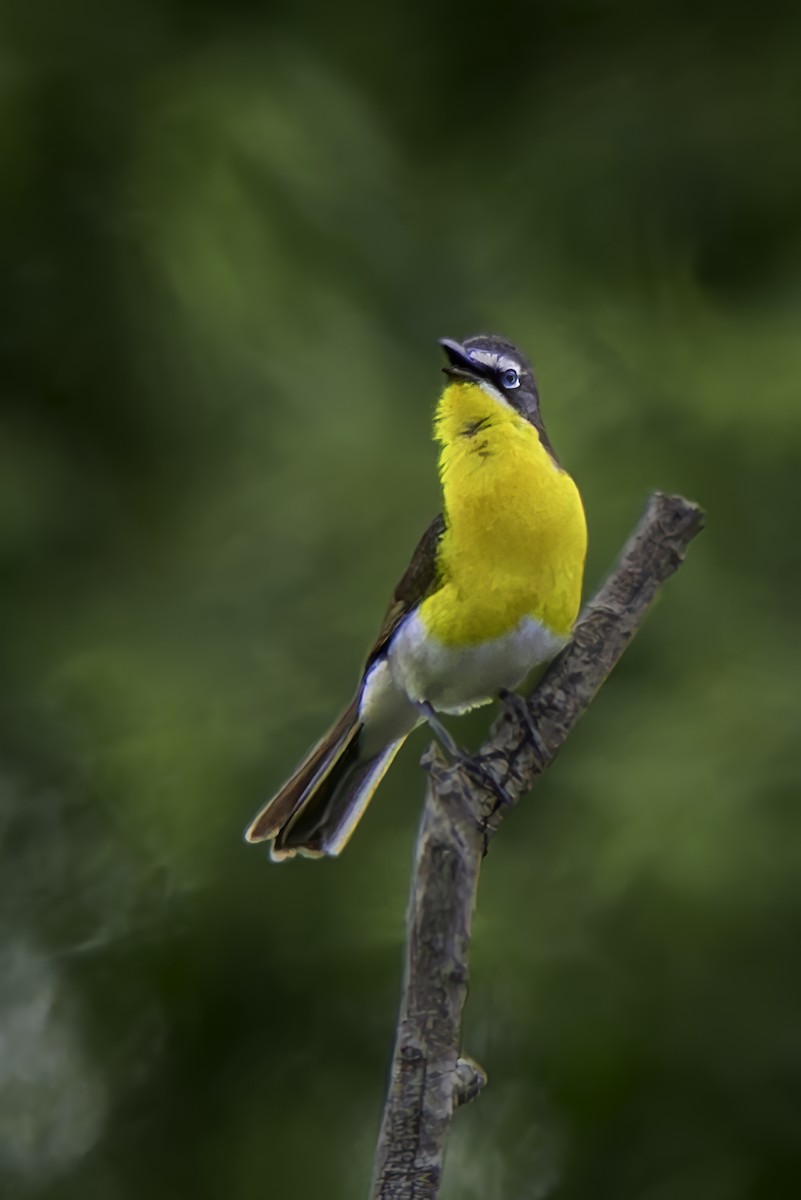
462 812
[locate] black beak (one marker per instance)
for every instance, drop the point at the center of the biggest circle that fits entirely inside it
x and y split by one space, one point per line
460 364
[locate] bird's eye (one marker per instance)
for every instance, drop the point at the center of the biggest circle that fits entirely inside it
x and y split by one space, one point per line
510 378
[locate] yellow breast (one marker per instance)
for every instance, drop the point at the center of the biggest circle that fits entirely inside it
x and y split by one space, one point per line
516 536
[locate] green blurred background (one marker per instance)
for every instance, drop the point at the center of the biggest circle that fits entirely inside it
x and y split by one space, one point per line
230 237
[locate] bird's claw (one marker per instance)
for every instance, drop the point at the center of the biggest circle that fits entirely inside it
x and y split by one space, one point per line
517 706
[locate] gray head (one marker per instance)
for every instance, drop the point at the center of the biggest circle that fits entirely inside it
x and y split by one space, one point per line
498 364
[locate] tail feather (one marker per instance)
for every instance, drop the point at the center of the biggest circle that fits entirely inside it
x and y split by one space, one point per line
275 814
331 809
321 803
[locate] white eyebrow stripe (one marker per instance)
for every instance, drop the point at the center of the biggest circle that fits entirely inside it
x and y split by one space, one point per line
485 357
505 361
499 362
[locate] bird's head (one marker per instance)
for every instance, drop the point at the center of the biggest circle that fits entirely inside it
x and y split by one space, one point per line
501 371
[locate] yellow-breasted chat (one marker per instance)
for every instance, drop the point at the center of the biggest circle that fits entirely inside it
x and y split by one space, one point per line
491 592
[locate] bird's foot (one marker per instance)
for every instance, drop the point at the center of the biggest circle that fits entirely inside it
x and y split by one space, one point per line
472 764
517 706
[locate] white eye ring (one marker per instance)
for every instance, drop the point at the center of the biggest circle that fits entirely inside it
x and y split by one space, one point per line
510 378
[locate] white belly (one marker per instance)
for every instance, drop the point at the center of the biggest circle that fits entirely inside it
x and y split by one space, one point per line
451 679
454 679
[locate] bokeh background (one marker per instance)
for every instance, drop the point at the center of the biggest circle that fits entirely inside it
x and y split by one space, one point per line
230 236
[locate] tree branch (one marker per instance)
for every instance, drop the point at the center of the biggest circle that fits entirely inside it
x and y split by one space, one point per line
462 813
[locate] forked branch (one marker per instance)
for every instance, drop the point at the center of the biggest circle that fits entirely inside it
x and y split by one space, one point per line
428 1078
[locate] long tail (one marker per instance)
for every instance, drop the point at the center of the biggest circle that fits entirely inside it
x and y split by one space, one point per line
320 805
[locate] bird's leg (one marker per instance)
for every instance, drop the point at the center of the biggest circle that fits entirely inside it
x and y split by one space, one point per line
518 706
442 735
469 762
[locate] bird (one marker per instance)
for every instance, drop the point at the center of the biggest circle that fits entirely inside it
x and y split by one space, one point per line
492 591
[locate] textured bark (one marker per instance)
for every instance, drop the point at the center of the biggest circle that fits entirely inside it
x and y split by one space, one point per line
463 811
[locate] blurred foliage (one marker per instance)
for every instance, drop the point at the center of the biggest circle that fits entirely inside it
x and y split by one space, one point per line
230 236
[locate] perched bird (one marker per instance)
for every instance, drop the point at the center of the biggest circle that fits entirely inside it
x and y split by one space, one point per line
492 591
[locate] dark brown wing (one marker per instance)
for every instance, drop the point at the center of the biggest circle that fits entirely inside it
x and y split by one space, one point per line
419 580
275 819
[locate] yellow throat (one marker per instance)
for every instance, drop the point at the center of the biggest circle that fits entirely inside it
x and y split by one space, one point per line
516 536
